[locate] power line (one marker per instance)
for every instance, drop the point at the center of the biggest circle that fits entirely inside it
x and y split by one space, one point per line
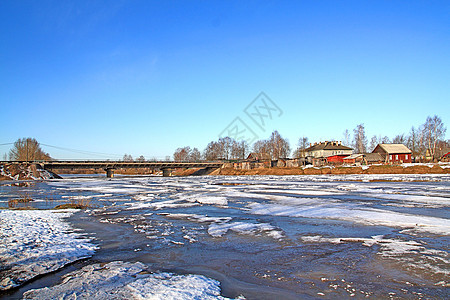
101 154
84 152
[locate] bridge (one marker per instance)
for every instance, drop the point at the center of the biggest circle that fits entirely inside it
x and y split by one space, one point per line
110 166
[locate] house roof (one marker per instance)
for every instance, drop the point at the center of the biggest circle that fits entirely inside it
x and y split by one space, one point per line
258 156
394 148
373 157
328 146
353 156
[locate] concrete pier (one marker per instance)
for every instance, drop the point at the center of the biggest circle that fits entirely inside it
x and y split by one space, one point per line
109 173
167 172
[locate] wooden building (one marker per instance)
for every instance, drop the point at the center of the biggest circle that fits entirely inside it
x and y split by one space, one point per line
445 157
394 153
258 156
327 152
354 159
372 158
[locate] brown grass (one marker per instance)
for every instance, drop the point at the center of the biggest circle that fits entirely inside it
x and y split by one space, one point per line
70 205
75 204
15 203
378 169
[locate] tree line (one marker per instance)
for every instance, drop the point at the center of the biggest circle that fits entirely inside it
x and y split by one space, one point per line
227 148
423 141
426 140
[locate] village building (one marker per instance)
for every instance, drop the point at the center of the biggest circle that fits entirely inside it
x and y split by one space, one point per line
446 157
354 159
327 152
394 153
373 158
443 153
258 156
363 159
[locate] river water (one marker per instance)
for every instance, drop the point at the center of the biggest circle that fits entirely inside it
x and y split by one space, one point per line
267 237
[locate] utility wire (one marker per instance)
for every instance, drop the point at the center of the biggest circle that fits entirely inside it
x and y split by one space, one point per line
101 154
85 152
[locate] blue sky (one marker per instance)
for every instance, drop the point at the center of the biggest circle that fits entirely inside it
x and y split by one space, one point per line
146 77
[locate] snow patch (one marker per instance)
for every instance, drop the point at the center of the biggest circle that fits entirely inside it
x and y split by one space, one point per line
126 280
218 230
354 213
35 242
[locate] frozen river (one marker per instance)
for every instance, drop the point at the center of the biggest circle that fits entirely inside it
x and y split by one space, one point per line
260 237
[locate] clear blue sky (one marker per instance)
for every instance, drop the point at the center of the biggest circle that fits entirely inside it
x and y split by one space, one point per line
146 77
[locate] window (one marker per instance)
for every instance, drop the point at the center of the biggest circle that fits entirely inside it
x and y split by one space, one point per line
406 156
390 157
396 156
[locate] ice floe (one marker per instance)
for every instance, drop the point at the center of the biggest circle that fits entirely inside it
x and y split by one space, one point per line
35 242
413 253
126 280
358 214
218 230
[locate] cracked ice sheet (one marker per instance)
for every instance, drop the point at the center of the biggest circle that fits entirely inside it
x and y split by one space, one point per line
126 280
218 230
198 218
412 253
354 213
35 242
176 203
221 225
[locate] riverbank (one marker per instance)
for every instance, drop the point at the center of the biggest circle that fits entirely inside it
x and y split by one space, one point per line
24 171
334 170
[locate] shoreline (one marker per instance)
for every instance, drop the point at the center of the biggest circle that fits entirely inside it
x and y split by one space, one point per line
330 170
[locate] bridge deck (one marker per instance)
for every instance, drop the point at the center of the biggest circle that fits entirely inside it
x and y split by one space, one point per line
125 164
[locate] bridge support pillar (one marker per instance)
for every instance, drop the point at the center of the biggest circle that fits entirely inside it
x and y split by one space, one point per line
109 173
167 172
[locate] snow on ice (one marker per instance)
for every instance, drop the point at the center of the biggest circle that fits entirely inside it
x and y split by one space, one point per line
35 242
126 280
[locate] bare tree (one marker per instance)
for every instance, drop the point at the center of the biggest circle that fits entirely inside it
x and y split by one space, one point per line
194 155
346 140
359 139
278 146
374 141
433 130
239 150
212 151
261 146
27 149
302 145
140 158
399 139
385 140
413 142
182 154
226 146
127 157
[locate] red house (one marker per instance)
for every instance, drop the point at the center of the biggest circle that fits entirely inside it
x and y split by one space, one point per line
445 157
335 159
394 153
